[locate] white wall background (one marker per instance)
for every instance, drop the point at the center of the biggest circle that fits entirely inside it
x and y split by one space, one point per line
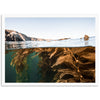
50 7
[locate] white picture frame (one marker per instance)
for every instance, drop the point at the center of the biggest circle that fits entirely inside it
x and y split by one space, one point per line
49 84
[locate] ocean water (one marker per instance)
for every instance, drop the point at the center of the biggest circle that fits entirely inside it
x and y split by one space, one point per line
29 73
62 43
31 61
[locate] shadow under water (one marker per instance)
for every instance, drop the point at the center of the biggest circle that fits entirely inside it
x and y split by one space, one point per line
58 64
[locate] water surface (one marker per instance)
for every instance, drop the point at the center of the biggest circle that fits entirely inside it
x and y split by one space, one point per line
62 43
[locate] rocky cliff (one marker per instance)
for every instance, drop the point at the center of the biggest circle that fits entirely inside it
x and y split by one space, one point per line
11 35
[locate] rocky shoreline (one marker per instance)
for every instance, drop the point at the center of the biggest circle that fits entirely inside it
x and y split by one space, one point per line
11 35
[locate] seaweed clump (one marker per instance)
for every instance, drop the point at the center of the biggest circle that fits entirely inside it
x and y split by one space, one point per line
60 64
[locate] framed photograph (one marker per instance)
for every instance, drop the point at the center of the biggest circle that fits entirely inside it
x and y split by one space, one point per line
49 50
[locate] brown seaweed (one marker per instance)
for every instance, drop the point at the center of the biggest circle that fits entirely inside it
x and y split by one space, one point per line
60 64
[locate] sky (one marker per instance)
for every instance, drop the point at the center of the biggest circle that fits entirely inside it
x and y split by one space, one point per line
52 28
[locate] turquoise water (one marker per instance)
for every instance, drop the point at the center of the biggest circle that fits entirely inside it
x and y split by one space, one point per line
10 72
31 72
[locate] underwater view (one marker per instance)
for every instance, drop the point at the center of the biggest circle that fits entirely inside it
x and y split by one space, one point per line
50 64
